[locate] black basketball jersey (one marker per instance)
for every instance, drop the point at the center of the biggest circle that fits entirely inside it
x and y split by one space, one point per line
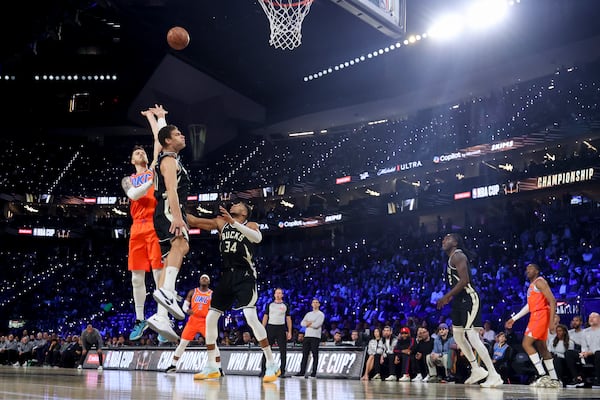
236 249
183 180
453 278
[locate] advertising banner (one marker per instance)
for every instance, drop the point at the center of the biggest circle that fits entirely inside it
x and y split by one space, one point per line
334 362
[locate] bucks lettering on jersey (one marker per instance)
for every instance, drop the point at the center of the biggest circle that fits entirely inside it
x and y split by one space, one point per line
236 249
453 278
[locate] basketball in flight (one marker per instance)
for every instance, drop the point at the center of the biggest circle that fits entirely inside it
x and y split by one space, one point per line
178 38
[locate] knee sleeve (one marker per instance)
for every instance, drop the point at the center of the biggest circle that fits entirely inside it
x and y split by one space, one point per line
212 329
181 348
476 342
459 337
259 330
138 279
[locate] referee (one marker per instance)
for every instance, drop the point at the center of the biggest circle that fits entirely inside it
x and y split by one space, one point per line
278 322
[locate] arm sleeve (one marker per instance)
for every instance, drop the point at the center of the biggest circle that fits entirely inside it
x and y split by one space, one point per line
251 234
524 311
135 193
162 122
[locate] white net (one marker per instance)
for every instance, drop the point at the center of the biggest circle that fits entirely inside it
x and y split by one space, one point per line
285 19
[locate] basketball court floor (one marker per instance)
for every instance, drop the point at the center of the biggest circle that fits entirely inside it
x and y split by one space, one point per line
49 383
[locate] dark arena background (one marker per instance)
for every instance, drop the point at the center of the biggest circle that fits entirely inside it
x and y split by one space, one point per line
390 124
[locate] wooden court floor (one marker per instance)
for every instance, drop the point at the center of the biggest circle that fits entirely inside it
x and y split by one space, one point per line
52 383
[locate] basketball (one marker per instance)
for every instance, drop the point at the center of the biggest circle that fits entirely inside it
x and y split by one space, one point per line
178 38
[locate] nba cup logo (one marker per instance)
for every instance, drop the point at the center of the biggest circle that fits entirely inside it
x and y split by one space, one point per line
143 359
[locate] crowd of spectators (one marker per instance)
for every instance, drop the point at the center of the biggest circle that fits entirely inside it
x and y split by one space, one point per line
564 100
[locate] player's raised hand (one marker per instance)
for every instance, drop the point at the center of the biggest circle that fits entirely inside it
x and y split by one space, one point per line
226 216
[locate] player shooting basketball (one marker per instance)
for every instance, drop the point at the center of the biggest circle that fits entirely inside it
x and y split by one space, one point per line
237 284
144 249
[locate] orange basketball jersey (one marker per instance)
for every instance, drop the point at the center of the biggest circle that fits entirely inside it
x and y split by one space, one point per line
143 208
200 303
535 298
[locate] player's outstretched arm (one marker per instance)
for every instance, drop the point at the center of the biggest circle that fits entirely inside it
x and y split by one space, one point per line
204 223
156 119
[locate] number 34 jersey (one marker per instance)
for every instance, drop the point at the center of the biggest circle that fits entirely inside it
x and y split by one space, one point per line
236 249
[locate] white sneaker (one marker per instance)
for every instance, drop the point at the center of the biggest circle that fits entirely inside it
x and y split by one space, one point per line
168 299
80 366
377 376
554 384
493 380
418 378
163 326
477 374
542 381
100 369
426 379
405 378
391 378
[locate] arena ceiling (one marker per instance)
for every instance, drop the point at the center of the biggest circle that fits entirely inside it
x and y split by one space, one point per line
258 88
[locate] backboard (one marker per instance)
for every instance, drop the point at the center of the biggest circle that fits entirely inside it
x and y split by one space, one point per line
387 16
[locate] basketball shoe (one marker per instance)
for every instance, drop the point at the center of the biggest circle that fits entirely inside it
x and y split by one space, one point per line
163 326
168 299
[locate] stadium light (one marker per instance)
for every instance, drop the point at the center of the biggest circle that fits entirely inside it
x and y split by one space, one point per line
447 27
484 13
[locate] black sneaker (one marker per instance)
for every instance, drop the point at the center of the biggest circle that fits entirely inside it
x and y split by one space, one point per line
576 383
171 369
221 371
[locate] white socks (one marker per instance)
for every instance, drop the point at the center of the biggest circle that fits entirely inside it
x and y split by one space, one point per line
170 277
537 363
160 309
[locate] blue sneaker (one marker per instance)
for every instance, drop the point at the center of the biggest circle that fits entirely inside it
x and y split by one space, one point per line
208 373
162 339
138 330
271 372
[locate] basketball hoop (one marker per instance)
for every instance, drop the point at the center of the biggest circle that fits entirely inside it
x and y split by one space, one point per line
285 19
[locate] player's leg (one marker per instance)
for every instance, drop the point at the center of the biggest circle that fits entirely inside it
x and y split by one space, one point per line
138 263
166 293
173 250
246 294
548 361
461 317
211 370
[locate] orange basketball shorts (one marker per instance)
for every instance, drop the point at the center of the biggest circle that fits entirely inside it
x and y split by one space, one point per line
144 249
539 322
192 327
